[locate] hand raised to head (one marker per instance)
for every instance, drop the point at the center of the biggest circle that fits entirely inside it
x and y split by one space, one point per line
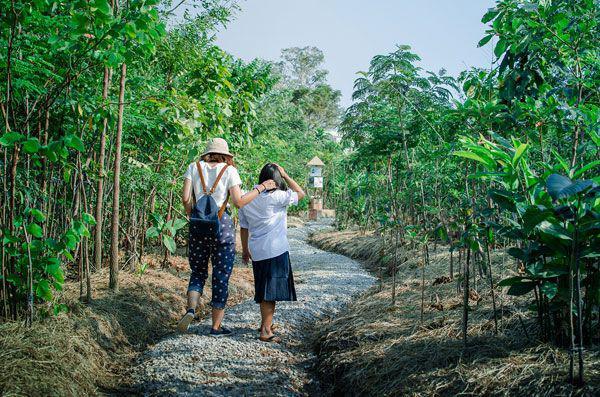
269 184
281 170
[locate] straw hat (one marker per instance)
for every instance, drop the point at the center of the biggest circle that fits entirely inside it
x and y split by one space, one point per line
217 145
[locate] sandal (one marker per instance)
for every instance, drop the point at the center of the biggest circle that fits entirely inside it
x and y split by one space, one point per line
270 339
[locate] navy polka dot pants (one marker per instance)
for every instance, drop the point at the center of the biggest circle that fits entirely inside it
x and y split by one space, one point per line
221 252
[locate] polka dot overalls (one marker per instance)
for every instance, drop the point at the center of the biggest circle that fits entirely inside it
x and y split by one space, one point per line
221 252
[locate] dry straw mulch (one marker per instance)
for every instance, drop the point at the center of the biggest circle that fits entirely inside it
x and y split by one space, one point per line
88 351
376 348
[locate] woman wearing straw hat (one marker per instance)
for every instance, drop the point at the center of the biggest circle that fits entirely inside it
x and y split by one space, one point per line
216 170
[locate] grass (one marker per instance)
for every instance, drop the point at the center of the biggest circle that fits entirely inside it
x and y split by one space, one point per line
89 350
376 348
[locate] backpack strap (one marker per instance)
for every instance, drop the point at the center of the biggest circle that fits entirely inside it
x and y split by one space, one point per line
202 183
224 205
214 186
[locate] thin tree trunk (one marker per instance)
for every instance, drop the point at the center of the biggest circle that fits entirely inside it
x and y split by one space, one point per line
466 300
85 247
425 263
114 257
489 263
100 188
395 268
575 256
169 210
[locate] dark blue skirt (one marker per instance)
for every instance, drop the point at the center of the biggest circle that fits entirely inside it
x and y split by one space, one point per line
273 279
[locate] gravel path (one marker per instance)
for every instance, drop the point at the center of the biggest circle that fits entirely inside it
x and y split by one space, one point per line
196 364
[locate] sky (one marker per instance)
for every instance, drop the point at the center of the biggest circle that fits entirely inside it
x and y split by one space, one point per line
444 33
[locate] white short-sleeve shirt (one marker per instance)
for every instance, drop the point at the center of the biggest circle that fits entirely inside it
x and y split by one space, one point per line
266 219
230 178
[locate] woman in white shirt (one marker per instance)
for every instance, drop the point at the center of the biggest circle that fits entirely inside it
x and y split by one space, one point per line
263 224
219 172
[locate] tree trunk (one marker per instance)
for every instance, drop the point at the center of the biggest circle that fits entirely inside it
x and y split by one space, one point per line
100 188
466 299
114 257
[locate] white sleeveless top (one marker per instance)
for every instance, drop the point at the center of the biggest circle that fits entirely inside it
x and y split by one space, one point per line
230 178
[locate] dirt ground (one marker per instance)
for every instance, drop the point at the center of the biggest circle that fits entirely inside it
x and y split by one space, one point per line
377 347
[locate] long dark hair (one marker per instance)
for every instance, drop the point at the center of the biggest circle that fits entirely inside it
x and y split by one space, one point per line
270 171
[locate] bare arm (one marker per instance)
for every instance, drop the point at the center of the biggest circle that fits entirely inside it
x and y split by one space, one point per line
235 192
293 184
186 196
239 201
245 251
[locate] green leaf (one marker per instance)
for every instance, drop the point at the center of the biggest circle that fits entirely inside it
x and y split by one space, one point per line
554 230
10 138
521 288
88 218
563 163
519 153
73 141
533 216
35 230
518 253
130 30
152 232
485 40
490 164
32 145
500 48
585 168
179 223
56 271
169 243
507 282
80 228
504 199
43 291
560 186
102 6
38 215
549 289
489 15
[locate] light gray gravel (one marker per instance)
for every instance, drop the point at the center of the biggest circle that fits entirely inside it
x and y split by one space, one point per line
196 364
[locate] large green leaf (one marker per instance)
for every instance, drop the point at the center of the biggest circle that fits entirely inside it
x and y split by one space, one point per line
73 141
521 288
35 230
179 223
533 216
169 243
504 199
469 155
9 138
152 232
519 153
554 230
549 289
511 281
586 168
43 290
560 186
56 271
32 145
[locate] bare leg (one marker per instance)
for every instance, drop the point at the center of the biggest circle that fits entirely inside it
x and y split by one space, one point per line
217 318
267 310
192 299
192 304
